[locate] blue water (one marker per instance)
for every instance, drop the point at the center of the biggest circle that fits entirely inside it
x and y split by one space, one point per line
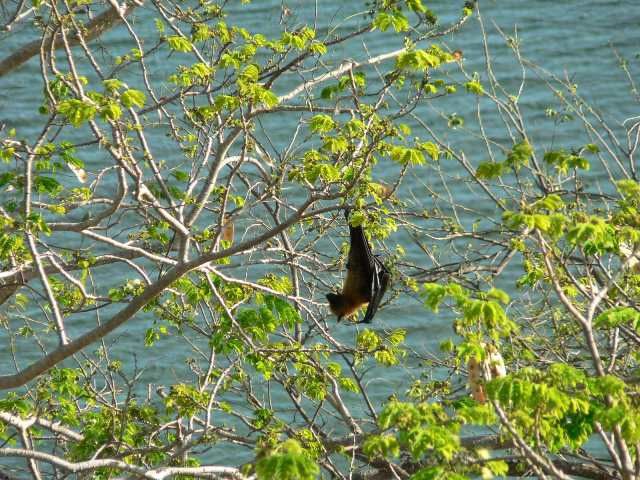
572 38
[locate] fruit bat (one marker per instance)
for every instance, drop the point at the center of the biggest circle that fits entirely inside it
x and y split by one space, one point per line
483 371
367 279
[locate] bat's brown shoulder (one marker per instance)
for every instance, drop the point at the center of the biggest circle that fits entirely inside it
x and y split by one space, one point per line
344 305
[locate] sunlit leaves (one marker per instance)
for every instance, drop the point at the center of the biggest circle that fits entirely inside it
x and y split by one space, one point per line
287 461
618 316
391 19
186 400
153 334
111 111
417 60
385 350
381 445
475 87
62 389
299 39
622 417
281 284
179 44
407 155
594 235
630 191
551 203
483 313
131 97
559 406
437 473
15 404
419 428
516 158
519 155
355 128
47 185
416 6
249 75
128 289
198 73
430 149
563 161
492 468
471 412
226 102
37 224
322 123
77 111
434 294
11 246
356 79
113 85
318 48
6 154
336 145
252 90
489 170
201 32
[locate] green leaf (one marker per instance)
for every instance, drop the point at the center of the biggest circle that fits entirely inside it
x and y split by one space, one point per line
437 473
179 44
475 87
46 185
381 446
407 156
368 340
431 149
418 60
490 170
395 19
77 111
519 155
551 202
434 294
322 123
131 97
111 111
287 461
499 295
113 84
618 316
336 144
416 6
6 154
318 48
592 148
563 161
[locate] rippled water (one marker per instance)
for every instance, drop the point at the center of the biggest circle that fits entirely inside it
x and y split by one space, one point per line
571 38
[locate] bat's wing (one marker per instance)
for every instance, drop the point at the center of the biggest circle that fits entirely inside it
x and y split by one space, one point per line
367 275
379 282
361 263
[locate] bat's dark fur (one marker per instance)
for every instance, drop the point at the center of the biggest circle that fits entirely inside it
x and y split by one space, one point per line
367 279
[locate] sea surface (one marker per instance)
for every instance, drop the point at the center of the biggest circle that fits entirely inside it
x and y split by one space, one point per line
573 39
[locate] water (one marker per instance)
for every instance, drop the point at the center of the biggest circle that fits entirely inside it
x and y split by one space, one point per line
573 38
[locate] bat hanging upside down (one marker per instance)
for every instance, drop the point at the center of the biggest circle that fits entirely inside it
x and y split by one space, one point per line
367 279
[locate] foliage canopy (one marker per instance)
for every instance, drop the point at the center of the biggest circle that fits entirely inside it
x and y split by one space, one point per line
159 186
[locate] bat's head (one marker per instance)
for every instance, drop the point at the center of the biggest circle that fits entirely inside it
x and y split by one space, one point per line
336 304
342 305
